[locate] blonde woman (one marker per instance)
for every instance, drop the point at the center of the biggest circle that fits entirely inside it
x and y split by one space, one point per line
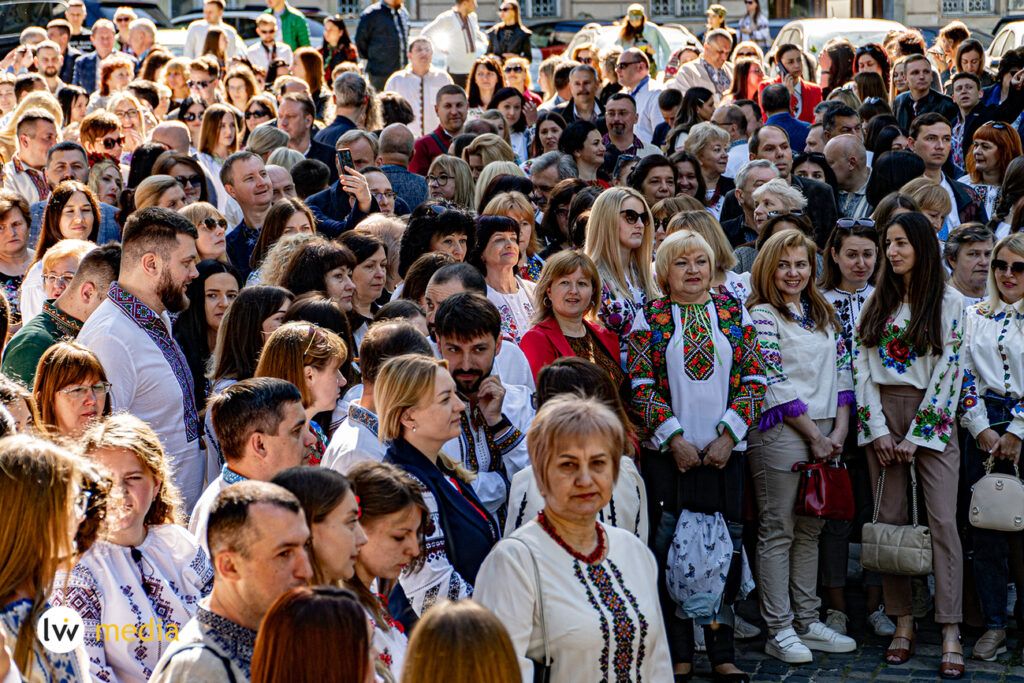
450 178
723 280
517 75
160 190
709 145
132 115
485 149
620 238
487 176
265 139
774 198
516 206
934 203
50 275
212 227
418 411
143 551
804 418
106 181
175 77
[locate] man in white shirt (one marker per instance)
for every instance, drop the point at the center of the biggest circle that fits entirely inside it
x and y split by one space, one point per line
213 12
356 439
634 70
24 174
418 83
456 35
268 49
130 333
492 443
262 430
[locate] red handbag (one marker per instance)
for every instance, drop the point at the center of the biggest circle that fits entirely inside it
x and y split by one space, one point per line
825 490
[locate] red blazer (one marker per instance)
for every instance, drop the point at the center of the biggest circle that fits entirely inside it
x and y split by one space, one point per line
544 343
811 94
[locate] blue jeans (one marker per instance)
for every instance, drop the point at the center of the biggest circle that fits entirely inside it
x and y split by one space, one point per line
991 548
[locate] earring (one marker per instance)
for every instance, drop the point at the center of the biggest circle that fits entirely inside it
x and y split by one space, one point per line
414 428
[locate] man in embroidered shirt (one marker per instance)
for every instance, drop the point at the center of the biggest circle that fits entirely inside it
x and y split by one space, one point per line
418 83
849 160
451 108
262 430
492 443
258 537
621 119
245 179
130 333
24 174
63 317
355 439
456 35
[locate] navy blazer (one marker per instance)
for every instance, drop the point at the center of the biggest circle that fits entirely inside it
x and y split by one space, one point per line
333 212
324 153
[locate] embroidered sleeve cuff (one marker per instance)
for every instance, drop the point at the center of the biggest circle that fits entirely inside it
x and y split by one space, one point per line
776 414
735 424
668 429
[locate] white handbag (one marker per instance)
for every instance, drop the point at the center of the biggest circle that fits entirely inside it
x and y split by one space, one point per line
997 500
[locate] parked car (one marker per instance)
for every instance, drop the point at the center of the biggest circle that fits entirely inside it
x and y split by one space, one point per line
145 9
930 33
812 34
17 15
1008 37
243 20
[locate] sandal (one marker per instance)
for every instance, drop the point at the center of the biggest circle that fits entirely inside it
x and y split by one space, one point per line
949 669
900 655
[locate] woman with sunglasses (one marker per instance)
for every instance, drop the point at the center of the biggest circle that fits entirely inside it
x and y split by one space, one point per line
753 25
509 38
187 171
260 109
191 114
517 75
907 382
212 227
993 387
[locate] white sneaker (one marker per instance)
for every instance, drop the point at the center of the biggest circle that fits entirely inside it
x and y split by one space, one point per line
743 629
822 638
837 621
698 638
881 624
787 647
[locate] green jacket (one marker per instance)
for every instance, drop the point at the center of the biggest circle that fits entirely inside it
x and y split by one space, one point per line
294 29
40 333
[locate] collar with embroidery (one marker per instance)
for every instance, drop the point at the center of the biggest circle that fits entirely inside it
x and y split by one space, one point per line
362 416
230 476
236 641
67 325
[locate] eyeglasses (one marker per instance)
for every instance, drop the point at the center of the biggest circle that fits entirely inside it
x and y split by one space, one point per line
190 117
193 180
848 223
128 112
53 280
389 195
214 223
439 180
256 114
123 20
515 68
661 224
111 143
1001 266
198 84
82 503
632 217
77 392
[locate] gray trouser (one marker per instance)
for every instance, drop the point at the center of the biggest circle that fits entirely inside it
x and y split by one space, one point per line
787 544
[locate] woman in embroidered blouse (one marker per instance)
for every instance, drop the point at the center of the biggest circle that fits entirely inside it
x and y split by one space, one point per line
907 362
993 388
71 390
567 294
709 144
146 565
516 206
396 522
754 25
697 380
723 280
418 412
993 147
496 255
37 538
620 235
15 256
309 357
596 580
804 418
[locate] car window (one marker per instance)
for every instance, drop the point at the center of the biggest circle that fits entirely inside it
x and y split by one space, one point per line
999 44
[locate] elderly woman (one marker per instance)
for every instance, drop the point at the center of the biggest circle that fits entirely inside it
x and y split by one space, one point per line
15 257
71 391
698 381
709 144
144 552
567 293
496 255
723 279
805 417
516 206
450 178
418 411
774 198
990 402
595 608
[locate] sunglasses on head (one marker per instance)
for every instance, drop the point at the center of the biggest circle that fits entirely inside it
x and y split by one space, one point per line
256 114
214 223
506 8
632 217
1001 266
848 223
193 180
111 143
997 125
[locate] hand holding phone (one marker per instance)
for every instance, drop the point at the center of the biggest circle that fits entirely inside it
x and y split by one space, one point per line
344 161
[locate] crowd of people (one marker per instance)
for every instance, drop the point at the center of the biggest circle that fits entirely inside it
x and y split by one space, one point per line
337 364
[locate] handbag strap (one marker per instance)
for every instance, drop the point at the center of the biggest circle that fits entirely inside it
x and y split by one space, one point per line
540 597
913 493
991 463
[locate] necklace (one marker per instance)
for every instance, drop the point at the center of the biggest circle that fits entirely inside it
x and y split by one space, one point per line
593 558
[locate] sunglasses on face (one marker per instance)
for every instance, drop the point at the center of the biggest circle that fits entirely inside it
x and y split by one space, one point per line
190 117
632 217
624 65
123 20
256 114
848 223
1001 266
515 68
185 180
198 84
795 212
111 143
214 223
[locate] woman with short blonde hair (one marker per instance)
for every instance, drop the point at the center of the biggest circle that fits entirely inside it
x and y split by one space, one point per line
451 178
160 190
932 198
265 139
709 145
485 149
723 279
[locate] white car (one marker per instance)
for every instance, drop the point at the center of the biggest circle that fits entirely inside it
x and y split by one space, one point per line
812 34
1009 37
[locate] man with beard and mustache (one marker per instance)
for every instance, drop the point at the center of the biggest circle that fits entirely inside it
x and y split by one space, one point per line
620 118
49 60
492 443
130 333
69 161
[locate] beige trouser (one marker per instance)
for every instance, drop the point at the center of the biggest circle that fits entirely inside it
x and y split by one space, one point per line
938 474
787 544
